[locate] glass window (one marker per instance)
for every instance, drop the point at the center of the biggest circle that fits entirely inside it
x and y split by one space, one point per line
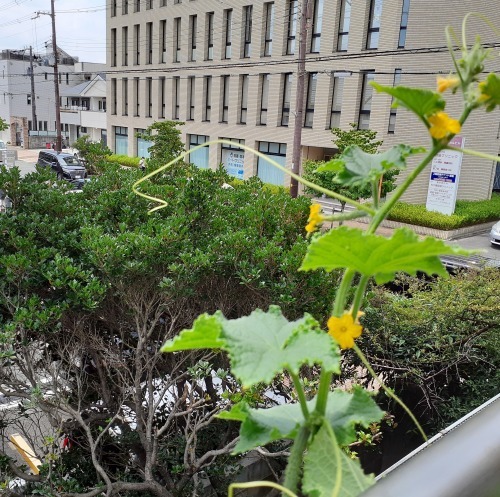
113 97
228 28
365 105
121 140
247 33
393 112
224 114
285 104
137 44
233 157
268 28
210 36
149 97
372 39
125 7
162 93
264 98
177 39
344 25
113 47
312 81
291 26
337 92
243 98
176 83
267 172
207 97
125 97
191 98
404 24
199 157
163 40
125 46
193 21
137 5
137 97
316 26
149 42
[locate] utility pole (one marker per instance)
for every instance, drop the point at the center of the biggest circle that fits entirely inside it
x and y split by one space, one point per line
56 79
33 101
299 96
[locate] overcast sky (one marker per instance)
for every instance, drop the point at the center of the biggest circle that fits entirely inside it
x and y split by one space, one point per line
80 27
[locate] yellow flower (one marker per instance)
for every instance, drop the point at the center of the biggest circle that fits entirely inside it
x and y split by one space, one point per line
450 82
345 329
315 218
442 124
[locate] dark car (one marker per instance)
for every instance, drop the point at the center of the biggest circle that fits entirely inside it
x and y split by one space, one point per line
66 166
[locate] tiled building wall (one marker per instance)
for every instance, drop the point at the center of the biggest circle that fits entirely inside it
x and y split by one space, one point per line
423 56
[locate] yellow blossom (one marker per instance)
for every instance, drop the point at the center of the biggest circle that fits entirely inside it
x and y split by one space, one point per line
345 329
442 124
450 82
315 218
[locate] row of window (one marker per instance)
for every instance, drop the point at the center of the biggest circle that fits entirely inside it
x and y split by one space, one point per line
266 45
205 83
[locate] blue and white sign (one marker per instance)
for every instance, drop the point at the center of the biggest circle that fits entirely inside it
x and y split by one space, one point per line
233 161
443 181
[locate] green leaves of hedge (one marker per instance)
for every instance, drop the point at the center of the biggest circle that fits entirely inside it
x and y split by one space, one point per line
377 256
262 344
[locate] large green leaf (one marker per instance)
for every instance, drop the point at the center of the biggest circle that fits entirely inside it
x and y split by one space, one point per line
377 256
205 334
344 412
328 472
490 89
420 101
262 344
358 167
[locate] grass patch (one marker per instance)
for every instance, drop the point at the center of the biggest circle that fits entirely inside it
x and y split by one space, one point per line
467 213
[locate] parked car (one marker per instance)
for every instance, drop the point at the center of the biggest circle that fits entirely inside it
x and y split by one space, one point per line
495 234
66 166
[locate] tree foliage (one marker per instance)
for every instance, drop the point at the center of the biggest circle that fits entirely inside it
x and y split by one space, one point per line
91 286
93 153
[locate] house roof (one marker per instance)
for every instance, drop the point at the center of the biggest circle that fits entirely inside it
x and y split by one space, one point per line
94 88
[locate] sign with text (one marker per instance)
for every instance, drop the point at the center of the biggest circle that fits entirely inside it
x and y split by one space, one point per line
233 161
443 181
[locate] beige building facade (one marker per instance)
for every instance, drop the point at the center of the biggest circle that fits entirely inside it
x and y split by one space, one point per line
228 69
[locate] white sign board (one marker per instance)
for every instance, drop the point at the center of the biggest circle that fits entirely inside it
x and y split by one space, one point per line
443 181
233 162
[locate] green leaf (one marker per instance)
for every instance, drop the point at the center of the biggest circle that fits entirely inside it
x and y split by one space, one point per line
263 344
490 88
358 167
344 412
328 472
205 334
420 101
238 412
377 256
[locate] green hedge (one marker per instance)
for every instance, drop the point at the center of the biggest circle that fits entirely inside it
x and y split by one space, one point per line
124 160
467 213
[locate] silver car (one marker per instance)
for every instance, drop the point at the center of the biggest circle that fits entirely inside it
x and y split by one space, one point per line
495 234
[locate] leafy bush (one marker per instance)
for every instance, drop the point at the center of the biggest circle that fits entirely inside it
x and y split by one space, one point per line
467 213
123 160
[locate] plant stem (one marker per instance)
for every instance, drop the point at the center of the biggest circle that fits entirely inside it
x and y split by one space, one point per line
300 393
475 153
256 484
323 391
340 298
293 470
358 297
388 391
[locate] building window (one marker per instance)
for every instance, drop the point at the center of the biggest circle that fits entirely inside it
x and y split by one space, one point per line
291 26
264 98
149 97
193 21
373 36
125 97
163 40
207 98
163 3
124 7
137 5
247 30
28 99
392 115
199 157
344 24
113 98
191 98
228 28
224 114
316 27
137 44
149 42
243 98
336 109
266 171
137 96
268 28
161 99
113 47
177 1
113 8
149 4
312 82
404 24
121 140
177 39
176 83
233 157
285 104
210 36
125 46
365 105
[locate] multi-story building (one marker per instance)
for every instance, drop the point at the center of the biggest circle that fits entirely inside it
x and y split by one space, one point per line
228 69
82 92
